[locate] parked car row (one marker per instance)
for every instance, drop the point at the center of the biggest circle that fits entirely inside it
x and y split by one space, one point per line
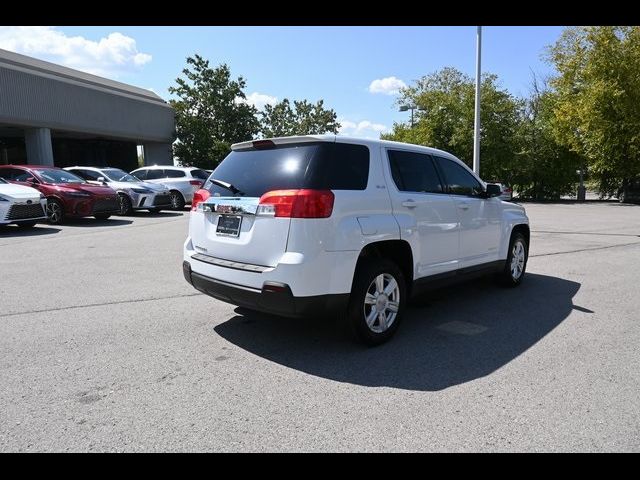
33 193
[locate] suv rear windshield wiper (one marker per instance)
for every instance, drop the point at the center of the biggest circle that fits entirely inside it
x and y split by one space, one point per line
228 186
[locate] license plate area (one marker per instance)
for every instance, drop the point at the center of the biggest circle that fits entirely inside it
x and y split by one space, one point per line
229 225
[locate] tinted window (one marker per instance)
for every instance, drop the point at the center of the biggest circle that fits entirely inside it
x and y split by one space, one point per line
458 179
87 174
201 174
174 173
334 166
414 172
154 174
11 173
141 174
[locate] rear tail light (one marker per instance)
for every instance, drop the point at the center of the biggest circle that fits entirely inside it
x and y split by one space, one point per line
196 183
303 203
199 197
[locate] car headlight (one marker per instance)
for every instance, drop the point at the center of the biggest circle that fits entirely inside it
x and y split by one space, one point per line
140 190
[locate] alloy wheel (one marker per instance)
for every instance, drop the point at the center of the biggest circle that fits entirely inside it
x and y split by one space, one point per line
381 303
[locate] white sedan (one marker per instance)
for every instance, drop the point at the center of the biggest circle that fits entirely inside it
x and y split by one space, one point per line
24 206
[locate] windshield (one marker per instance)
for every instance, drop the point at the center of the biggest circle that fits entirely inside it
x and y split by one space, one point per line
117 175
51 175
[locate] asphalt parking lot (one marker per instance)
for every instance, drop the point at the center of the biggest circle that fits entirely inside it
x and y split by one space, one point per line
105 347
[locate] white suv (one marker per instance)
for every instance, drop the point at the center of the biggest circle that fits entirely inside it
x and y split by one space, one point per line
182 182
298 226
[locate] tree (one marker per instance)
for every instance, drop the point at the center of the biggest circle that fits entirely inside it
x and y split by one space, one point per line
305 118
445 117
211 113
598 93
543 168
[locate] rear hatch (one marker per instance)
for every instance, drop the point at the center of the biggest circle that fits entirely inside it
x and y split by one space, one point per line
294 180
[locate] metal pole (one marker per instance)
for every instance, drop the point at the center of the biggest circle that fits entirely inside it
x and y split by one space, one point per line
476 127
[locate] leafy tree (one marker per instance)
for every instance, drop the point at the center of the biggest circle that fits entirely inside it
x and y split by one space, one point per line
597 111
543 168
304 118
210 113
445 118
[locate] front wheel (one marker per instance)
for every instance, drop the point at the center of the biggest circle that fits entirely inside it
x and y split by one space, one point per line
377 301
124 205
55 212
177 200
516 264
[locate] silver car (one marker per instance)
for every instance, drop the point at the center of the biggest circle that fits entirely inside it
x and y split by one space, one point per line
133 194
182 182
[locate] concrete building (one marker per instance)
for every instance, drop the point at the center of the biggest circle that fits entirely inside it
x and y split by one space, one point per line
54 115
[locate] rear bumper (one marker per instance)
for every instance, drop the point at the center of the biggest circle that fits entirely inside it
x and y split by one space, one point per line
274 297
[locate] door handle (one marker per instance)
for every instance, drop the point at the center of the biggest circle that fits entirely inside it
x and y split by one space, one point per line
409 203
463 206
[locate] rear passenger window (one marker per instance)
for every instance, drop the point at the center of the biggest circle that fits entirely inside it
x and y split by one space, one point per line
414 172
154 174
174 173
458 179
141 174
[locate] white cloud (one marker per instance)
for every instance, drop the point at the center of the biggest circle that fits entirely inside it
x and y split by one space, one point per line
387 85
258 100
364 128
111 56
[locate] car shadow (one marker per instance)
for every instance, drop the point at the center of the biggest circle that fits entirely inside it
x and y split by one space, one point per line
459 334
94 222
15 231
146 213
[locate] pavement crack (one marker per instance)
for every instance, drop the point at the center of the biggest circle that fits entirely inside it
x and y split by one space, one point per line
584 250
73 307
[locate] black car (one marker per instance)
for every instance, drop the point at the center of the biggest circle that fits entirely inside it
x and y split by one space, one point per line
631 192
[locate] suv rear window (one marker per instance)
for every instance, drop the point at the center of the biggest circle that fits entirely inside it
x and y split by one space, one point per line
201 174
322 166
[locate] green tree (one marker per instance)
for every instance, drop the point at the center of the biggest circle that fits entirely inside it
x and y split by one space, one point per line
304 118
445 118
597 112
543 168
211 113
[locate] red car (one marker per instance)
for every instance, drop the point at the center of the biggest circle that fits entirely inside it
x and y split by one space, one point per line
67 194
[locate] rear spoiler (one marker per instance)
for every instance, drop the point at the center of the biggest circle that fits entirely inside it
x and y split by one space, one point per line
267 142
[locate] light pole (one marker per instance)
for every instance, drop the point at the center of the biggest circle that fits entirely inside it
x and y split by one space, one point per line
404 108
476 126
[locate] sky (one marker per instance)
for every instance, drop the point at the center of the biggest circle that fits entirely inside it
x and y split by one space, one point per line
356 70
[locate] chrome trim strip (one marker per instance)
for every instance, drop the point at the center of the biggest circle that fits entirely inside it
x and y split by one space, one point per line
220 262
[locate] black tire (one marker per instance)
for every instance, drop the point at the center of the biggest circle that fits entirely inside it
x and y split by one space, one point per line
124 205
102 216
512 275
373 333
27 224
55 211
177 200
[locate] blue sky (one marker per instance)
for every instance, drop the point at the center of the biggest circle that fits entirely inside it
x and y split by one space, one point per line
338 64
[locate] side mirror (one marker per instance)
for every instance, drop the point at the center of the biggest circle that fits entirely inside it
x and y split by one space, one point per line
32 180
493 190
102 180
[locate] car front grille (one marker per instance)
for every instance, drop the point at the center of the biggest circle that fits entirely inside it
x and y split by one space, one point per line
25 212
110 205
162 199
